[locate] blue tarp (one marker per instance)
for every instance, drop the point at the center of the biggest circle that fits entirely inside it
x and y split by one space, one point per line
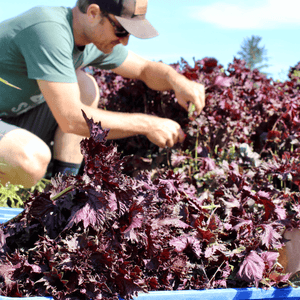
7 213
217 294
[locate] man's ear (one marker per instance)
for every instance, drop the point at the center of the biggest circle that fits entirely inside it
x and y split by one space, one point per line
93 13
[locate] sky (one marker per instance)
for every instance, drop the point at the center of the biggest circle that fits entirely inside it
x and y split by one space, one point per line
194 29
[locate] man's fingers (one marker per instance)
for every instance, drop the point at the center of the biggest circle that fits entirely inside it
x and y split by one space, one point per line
169 144
200 100
165 132
178 138
191 97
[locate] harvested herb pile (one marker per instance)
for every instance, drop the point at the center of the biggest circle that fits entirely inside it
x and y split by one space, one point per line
106 234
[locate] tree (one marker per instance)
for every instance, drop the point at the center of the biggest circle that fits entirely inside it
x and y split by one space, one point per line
252 53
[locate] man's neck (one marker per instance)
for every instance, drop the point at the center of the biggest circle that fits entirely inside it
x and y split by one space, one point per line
78 28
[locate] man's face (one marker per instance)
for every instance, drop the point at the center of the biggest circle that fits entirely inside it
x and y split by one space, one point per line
101 33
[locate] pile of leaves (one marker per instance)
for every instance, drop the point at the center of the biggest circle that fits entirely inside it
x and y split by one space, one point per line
242 107
208 214
105 234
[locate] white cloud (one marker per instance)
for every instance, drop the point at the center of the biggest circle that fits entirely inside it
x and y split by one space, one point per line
268 14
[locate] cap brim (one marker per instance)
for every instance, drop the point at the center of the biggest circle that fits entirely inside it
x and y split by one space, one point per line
138 27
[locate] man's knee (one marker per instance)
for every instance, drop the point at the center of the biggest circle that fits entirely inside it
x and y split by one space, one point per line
89 89
37 153
24 158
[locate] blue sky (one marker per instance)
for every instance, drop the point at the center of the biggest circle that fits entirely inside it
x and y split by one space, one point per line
209 28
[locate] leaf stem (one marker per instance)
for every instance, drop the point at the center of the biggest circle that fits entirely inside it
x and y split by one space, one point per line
66 190
216 271
196 152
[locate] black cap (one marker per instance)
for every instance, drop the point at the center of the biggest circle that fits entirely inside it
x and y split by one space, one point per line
131 14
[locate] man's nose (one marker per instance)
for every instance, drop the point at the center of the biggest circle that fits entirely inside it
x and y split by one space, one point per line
124 40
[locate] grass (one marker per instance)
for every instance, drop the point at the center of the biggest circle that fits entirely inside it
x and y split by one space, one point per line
16 195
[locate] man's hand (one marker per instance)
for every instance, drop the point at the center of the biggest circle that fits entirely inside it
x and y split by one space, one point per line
63 99
162 77
163 132
187 92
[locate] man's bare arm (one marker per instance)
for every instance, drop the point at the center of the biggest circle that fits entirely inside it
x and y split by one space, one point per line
162 77
64 102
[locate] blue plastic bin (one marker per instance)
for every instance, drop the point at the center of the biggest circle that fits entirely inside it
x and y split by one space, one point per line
217 294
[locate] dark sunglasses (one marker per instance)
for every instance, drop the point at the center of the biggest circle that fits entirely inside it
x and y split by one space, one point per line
120 31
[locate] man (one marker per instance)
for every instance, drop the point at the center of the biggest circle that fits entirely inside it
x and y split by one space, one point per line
43 51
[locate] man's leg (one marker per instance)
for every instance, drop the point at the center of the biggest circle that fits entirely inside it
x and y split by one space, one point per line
66 151
24 158
24 146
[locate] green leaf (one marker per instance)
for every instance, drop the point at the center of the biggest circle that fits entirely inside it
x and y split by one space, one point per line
9 195
191 111
6 82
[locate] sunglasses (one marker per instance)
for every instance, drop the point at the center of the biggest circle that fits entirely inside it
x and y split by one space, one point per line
120 31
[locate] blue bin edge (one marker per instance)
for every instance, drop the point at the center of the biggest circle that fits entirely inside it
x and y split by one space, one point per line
289 293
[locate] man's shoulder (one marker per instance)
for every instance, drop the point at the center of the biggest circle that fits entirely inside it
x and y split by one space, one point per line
58 14
38 15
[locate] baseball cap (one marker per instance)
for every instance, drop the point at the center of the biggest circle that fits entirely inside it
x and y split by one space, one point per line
131 14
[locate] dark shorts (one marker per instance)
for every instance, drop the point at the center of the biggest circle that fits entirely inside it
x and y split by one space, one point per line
39 121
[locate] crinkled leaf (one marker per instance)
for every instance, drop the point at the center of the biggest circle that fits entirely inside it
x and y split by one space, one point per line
252 268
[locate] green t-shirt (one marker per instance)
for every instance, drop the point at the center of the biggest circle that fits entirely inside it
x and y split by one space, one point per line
39 44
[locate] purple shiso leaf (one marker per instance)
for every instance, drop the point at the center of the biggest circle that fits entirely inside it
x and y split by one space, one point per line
252 268
270 237
270 258
223 81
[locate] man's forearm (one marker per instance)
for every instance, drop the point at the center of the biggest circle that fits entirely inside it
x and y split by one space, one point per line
64 101
160 131
160 77
121 125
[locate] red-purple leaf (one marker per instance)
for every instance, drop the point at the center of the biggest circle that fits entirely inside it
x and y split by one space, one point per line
252 268
222 81
270 236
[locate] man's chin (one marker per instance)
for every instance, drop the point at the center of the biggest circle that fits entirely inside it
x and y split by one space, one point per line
108 52
105 50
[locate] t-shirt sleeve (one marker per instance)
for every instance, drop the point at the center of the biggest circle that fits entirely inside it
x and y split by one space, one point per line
47 49
111 61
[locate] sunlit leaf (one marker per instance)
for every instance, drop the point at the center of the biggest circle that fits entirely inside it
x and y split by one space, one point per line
7 83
